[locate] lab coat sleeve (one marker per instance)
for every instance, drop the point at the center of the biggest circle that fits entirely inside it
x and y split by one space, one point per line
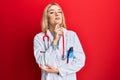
42 57
38 46
77 63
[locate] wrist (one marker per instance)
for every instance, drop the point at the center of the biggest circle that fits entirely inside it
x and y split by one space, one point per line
56 37
55 42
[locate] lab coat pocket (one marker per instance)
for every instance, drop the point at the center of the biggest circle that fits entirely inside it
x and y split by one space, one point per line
70 54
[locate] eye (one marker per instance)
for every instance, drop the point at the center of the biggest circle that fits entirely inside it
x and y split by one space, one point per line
59 11
51 12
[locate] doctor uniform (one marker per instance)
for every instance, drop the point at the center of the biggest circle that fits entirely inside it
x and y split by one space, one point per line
47 53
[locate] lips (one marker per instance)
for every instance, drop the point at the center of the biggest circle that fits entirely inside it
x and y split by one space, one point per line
57 18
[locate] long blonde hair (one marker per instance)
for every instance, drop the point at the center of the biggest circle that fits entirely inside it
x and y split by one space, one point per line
44 23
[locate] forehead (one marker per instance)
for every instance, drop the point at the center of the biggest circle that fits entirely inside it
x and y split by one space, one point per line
54 7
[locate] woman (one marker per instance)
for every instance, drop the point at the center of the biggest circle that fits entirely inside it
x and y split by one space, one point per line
57 51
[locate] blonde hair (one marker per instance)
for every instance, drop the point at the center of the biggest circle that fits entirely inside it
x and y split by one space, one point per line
44 21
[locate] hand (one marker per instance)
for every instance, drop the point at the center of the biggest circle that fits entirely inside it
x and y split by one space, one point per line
50 69
58 31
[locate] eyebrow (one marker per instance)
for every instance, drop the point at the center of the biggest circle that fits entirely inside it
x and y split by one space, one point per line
52 10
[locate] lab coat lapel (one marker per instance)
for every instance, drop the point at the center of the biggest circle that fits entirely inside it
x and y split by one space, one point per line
65 39
50 35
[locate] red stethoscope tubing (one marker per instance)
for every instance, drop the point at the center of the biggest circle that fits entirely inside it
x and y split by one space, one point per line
63 53
45 35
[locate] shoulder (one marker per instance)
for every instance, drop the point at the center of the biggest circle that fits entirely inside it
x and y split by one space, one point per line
71 33
39 35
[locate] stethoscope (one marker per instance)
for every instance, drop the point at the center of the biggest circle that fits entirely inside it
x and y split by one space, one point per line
45 35
63 48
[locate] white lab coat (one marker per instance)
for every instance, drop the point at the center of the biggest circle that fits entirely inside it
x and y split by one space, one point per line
53 57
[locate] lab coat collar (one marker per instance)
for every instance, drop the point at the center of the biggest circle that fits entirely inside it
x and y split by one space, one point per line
50 34
64 30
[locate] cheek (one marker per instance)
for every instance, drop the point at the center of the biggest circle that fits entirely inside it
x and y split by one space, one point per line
51 16
61 18
50 19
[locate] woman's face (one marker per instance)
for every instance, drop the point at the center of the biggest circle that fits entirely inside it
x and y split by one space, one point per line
54 15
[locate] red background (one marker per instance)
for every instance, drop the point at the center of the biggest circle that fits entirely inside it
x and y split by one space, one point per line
96 22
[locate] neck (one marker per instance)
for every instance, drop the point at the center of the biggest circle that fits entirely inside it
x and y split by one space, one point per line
52 28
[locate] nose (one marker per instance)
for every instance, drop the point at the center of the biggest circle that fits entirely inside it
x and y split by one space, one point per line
56 13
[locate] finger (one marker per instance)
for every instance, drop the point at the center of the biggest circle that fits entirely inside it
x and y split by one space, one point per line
56 27
49 66
46 69
59 29
41 67
50 70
